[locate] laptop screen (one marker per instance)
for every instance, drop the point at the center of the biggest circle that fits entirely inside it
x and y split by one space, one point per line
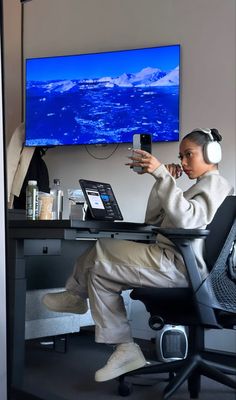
101 201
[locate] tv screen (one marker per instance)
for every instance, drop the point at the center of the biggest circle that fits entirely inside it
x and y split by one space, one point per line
103 98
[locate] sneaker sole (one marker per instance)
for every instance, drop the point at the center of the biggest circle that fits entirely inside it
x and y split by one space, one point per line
120 371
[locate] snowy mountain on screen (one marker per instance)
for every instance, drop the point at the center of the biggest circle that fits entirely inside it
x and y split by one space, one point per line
145 78
172 78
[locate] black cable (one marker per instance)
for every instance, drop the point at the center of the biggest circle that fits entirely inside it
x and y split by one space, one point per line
22 61
22 16
101 158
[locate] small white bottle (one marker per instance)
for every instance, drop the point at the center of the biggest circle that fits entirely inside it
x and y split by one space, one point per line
57 193
32 200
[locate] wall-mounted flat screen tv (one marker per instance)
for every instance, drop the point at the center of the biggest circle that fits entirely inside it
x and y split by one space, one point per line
103 98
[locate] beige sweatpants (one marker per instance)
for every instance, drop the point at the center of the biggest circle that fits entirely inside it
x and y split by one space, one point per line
111 266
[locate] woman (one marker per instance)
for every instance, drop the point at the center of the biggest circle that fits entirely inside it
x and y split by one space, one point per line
111 266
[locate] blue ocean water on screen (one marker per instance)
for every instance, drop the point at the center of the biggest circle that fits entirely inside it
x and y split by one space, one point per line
104 110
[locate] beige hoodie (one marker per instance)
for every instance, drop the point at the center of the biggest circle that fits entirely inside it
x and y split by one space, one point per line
169 207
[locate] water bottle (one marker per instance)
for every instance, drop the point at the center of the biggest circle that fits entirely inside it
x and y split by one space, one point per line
57 193
32 200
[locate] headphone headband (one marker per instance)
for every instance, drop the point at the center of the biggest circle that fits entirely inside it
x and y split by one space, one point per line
207 131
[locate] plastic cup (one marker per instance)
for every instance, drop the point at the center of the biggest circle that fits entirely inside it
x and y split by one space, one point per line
45 206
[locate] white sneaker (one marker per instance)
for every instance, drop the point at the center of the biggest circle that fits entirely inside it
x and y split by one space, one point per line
65 302
126 357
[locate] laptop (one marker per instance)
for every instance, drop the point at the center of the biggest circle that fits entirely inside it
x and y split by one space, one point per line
101 201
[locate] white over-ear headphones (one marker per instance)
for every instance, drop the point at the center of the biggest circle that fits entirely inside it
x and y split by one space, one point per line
212 152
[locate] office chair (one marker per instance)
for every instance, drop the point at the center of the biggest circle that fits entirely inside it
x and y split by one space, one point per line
202 305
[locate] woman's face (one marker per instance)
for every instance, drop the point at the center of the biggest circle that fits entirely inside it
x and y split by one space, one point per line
191 157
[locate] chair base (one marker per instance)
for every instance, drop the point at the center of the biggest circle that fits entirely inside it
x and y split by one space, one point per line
209 364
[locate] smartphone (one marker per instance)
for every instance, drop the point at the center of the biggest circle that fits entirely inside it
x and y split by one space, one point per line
142 141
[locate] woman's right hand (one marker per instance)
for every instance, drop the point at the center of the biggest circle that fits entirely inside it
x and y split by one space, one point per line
141 158
174 169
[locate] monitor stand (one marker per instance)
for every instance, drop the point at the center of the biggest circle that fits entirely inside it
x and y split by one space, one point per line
88 215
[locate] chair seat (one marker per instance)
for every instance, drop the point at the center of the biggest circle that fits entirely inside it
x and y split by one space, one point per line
175 304
170 304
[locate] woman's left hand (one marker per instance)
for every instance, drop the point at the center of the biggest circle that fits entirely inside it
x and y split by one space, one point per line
147 161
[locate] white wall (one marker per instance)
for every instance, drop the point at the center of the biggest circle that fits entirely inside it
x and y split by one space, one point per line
206 32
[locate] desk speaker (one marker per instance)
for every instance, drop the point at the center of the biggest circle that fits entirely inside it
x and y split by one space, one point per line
171 343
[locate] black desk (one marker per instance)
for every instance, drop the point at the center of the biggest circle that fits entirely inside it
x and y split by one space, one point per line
45 238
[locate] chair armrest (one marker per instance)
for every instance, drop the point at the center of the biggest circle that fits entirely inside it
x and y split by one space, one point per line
182 239
182 233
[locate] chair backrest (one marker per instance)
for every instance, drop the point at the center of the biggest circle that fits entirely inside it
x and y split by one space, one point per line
219 230
220 285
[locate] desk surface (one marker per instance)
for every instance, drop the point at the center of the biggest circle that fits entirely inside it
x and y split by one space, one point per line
56 228
67 223
22 228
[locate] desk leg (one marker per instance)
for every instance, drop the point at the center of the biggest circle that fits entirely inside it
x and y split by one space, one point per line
16 311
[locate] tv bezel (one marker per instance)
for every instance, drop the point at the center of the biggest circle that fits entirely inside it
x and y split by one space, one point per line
97 53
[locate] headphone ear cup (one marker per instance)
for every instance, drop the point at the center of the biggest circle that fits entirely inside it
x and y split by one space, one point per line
212 153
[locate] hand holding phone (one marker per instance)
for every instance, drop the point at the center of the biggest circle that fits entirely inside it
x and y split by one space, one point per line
142 141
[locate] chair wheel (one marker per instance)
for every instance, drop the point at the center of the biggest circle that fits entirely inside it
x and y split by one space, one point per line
125 389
